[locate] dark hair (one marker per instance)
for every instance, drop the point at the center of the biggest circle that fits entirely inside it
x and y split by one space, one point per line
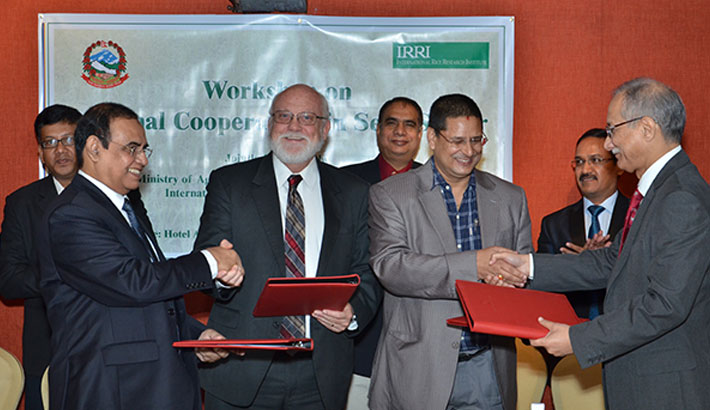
652 98
401 100
452 106
97 121
593 133
54 114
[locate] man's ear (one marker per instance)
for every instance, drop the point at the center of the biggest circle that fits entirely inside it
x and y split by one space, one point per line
91 149
40 152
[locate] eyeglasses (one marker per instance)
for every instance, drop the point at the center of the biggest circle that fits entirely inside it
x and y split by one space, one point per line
610 128
67 141
135 149
304 118
459 142
593 161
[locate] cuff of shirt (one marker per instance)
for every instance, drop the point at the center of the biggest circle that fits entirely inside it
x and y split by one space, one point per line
532 267
353 323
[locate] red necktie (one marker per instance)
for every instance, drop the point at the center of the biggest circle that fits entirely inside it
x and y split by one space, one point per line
630 215
294 244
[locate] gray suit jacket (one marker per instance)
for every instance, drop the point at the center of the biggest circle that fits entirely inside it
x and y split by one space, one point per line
653 336
413 253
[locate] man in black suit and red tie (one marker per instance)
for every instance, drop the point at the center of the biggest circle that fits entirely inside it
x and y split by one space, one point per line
288 214
399 132
594 220
114 302
19 267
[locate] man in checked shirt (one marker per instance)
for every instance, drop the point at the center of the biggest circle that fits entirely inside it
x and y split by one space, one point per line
429 227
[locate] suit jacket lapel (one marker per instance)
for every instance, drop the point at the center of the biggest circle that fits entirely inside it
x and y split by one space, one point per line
618 215
576 224
266 201
680 160
487 201
433 204
330 192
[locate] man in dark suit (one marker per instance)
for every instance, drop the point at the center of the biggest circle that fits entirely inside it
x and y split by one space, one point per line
653 335
593 221
288 214
399 131
19 267
114 303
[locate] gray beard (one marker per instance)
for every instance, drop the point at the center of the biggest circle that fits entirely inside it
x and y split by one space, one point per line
305 155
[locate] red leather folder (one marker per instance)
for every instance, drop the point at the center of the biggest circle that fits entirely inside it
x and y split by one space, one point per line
511 312
251 344
301 296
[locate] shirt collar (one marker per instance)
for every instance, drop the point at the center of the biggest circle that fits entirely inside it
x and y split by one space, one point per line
387 170
608 203
57 185
440 181
310 175
652 172
115 198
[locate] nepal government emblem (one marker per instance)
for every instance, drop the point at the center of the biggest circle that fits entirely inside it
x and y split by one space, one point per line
104 64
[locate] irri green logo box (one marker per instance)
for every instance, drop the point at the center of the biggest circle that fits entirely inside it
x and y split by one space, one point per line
441 55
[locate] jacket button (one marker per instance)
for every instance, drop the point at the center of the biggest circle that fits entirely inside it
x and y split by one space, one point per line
171 312
456 345
276 324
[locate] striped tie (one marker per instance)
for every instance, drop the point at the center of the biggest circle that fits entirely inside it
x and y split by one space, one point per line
294 245
630 215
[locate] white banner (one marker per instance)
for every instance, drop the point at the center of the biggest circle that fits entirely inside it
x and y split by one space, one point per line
202 86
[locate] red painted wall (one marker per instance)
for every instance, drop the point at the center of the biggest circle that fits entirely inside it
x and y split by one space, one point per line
568 58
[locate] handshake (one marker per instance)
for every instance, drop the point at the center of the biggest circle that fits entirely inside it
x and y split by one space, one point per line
503 267
230 271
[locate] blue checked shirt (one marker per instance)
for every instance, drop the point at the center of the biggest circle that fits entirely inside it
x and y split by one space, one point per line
467 230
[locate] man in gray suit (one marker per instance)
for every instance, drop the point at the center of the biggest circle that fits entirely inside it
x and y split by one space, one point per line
425 234
653 335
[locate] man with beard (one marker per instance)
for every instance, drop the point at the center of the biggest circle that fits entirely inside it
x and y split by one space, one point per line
288 214
593 221
19 267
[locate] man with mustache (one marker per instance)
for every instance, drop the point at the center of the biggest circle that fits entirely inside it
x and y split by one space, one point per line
429 227
653 336
19 267
399 131
593 221
288 214
114 302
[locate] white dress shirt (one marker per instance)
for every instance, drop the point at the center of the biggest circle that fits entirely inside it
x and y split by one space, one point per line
310 190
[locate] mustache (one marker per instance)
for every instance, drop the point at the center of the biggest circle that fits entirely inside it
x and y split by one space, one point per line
293 136
461 156
587 176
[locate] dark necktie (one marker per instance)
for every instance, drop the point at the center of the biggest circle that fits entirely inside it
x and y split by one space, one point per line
294 246
595 227
138 230
630 215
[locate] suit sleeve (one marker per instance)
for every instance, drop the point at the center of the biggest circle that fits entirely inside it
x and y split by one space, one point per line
369 294
18 273
674 278
404 271
90 256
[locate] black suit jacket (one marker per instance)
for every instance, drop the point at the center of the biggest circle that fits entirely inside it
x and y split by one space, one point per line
366 341
567 225
114 314
19 267
242 205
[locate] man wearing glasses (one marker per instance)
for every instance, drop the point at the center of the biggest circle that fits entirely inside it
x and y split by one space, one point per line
429 227
19 267
288 214
653 336
593 221
113 301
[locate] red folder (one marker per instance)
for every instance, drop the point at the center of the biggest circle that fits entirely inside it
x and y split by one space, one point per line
251 344
511 312
301 296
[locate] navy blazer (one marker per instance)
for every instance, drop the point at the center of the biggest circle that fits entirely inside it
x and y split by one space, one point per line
242 205
567 225
19 268
114 314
